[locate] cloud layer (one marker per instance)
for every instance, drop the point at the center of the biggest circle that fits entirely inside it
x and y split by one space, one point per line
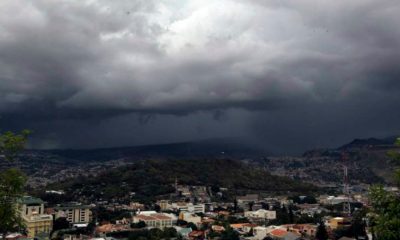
69 60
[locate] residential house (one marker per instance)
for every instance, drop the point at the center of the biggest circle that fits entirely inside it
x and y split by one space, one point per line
190 217
243 201
108 228
261 214
281 234
197 235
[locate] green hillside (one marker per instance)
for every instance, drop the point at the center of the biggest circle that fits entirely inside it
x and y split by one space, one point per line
156 177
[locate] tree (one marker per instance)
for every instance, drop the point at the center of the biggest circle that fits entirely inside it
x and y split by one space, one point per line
140 224
229 234
251 204
357 228
192 226
291 215
322 233
12 182
60 223
170 232
385 216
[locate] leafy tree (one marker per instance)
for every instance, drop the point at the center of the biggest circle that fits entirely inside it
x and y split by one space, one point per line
229 234
155 233
12 182
322 233
291 215
357 228
11 144
251 204
170 232
385 216
60 223
140 224
192 226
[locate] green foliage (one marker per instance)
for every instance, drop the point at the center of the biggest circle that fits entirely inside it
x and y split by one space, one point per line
11 144
385 216
60 223
358 226
156 177
322 233
192 226
139 224
12 182
305 199
152 234
386 213
104 214
229 234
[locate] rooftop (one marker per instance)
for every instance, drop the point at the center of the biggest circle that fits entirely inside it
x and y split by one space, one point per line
28 200
71 206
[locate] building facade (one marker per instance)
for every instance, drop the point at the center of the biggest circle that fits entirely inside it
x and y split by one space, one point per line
32 213
74 213
154 219
261 213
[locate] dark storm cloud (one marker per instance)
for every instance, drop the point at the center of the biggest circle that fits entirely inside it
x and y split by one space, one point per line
265 63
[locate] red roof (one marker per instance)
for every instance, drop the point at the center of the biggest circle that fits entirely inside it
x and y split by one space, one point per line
196 234
278 232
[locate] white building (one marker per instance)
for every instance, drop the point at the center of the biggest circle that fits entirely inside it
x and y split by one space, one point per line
332 200
261 213
156 220
182 206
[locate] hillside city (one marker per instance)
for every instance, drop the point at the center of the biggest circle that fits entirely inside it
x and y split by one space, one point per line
199 199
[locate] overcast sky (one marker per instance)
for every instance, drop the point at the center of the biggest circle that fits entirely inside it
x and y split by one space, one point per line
290 75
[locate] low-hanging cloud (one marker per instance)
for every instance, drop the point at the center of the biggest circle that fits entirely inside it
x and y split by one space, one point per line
88 59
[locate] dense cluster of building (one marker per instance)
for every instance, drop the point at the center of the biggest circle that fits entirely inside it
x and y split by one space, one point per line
251 217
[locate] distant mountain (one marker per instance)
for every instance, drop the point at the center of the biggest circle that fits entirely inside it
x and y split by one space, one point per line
369 142
368 154
223 147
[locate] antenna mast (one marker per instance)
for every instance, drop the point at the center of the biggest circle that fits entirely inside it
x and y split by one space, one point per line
346 186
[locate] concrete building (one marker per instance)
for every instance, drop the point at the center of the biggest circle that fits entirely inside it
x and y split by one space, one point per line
74 213
337 222
243 201
154 219
260 232
190 217
189 207
261 214
32 213
182 206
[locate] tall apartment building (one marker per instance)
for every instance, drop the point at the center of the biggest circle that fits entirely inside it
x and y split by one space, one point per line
32 213
74 213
